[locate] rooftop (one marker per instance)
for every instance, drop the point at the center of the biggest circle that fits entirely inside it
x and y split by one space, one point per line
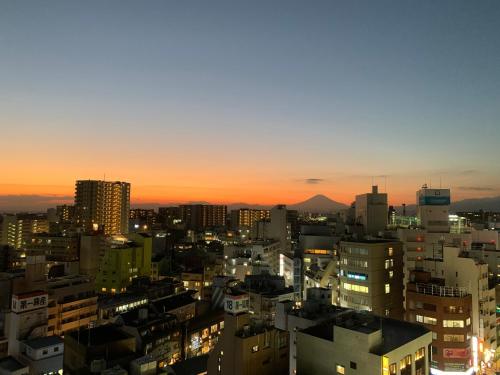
100 335
43 342
395 333
11 364
191 366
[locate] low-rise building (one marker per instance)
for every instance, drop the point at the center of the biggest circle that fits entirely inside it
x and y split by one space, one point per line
363 343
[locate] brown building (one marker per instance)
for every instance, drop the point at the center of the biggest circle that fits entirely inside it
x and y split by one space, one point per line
248 217
202 216
72 304
246 348
371 276
446 311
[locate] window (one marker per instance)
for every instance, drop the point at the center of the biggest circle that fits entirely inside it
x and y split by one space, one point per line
390 251
56 348
453 323
340 370
419 354
387 288
391 274
354 365
389 263
419 318
429 320
454 338
355 288
467 321
434 335
255 348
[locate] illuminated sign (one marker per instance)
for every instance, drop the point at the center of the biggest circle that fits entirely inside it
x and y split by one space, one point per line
456 353
357 276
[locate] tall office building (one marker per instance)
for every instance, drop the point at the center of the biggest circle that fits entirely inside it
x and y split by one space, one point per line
103 205
433 206
371 276
371 211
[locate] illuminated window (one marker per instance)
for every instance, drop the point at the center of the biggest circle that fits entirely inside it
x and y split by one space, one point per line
390 251
340 370
356 288
387 288
391 274
454 338
389 263
467 322
453 323
255 348
419 354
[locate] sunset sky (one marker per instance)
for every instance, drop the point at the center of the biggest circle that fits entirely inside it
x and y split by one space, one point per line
257 101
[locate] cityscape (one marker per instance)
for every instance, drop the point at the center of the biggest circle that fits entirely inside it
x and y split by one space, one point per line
250 188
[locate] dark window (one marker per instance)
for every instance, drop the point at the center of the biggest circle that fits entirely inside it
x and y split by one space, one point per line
354 366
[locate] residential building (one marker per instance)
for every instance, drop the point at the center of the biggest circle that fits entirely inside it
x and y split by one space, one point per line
247 218
102 205
18 229
72 304
447 312
201 216
433 206
247 347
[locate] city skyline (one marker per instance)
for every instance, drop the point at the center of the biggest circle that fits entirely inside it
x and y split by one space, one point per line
293 101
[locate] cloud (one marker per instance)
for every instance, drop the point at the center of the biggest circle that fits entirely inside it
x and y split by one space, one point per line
475 188
313 181
32 202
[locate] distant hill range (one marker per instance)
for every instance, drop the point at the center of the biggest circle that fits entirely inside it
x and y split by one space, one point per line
472 204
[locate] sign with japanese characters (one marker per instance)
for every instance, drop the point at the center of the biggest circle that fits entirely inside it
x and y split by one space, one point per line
29 301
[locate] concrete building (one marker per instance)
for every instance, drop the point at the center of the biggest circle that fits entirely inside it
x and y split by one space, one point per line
362 343
460 271
27 319
55 248
279 228
447 312
315 310
371 276
72 304
122 262
11 366
264 292
433 208
18 229
202 216
97 349
157 334
44 355
247 218
247 347
92 247
102 205
371 211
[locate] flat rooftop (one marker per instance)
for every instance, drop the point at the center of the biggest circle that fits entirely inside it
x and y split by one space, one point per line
43 342
395 333
11 364
99 336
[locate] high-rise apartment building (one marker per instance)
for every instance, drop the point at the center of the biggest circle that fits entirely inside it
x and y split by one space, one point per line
371 211
371 276
17 229
247 217
201 216
102 205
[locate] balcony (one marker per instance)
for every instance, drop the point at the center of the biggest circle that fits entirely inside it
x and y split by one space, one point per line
441 291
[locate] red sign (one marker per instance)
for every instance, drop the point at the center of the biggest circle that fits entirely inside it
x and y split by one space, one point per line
456 353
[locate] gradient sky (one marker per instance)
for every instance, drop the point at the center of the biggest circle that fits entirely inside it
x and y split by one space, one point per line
256 101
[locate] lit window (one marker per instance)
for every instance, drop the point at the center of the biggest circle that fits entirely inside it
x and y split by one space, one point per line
390 251
340 370
255 348
391 274
453 323
387 288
